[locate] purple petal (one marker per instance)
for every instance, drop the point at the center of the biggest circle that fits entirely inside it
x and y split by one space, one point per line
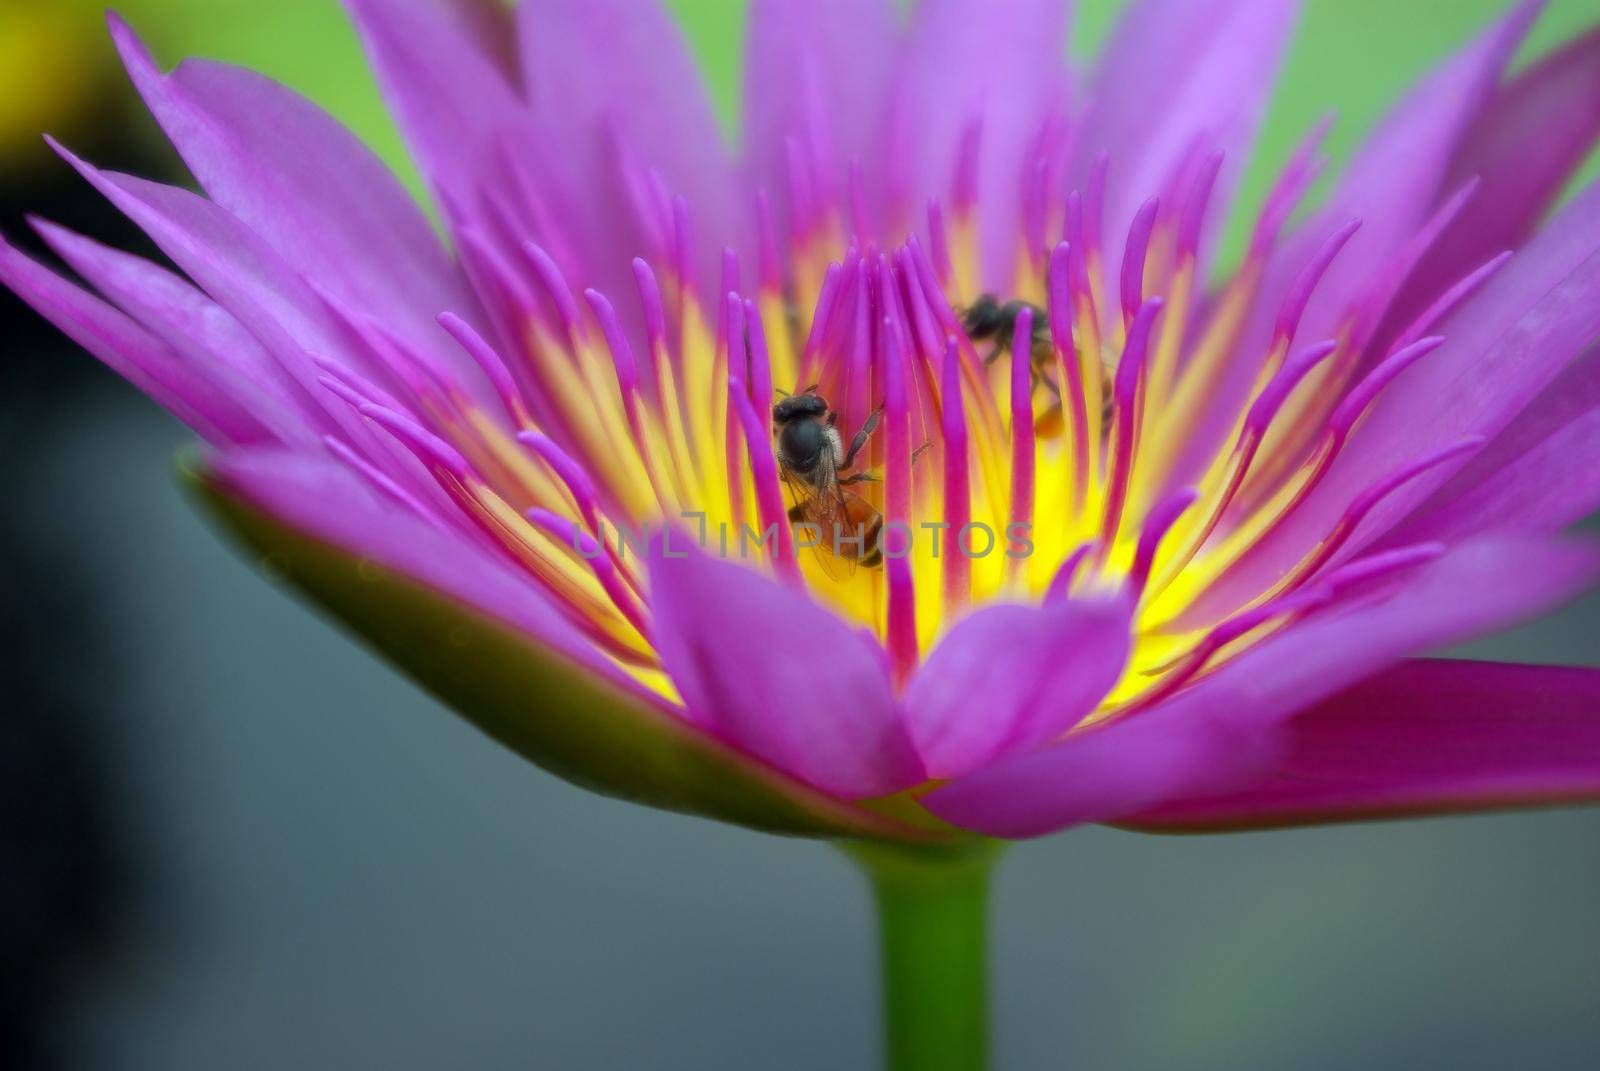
1178 79
819 69
1223 731
451 100
1541 474
612 82
556 702
771 672
209 340
325 501
1003 65
1503 348
1522 149
1010 678
1393 183
1425 737
130 351
239 272
322 200
1399 173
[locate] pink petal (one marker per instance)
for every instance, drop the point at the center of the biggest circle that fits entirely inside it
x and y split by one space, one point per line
1502 349
1010 678
1225 730
1523 149
452 101
1541 474
823 68
245 277
1425 737
325 501
1178 79
1399 174
604 75
1395 180
322 200
209 340
764 668
1012 78
130 351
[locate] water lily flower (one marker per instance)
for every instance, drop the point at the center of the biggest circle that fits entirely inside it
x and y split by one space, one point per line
914 475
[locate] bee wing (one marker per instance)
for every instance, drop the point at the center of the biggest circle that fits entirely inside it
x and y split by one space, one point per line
833 513
812 507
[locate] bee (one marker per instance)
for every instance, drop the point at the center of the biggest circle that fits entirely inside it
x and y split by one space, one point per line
811 455
987 318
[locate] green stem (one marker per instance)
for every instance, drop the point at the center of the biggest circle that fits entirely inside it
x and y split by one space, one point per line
933 922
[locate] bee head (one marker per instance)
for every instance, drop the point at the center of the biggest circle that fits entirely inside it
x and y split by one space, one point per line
983 317
798 407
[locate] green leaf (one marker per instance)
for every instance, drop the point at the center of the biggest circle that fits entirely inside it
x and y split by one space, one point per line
563 718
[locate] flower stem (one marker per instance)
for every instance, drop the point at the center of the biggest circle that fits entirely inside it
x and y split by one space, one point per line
932 916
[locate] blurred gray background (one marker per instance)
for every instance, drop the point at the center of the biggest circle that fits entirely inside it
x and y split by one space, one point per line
321 868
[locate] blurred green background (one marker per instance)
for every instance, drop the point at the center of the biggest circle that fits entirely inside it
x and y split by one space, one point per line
229 838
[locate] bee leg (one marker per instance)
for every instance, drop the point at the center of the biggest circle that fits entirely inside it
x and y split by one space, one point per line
1040 379
859 477
861 437
919 451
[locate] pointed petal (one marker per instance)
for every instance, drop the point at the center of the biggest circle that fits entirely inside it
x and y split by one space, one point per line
319 197
1010 678
1522 149
128 350
483 640
210 342
1225 730
1399 174
245 277
1176 80
1506 345
604 75
1011 76
1502 349
1541 474
764 668
1395 180
1425 737
451 99
827 64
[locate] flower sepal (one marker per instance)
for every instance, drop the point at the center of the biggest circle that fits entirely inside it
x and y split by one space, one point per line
555 714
